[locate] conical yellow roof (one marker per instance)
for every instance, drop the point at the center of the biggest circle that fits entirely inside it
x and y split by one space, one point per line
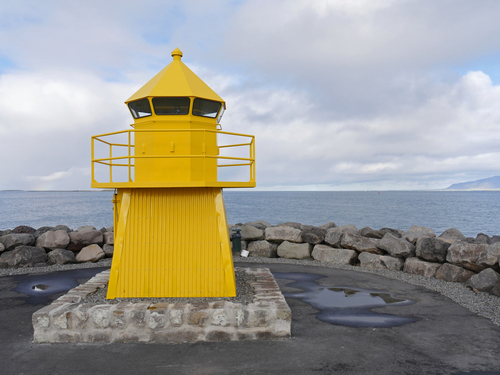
176 79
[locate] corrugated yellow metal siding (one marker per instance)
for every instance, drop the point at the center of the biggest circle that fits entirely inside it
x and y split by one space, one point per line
175 244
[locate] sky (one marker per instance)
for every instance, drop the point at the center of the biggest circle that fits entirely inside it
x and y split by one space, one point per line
340 94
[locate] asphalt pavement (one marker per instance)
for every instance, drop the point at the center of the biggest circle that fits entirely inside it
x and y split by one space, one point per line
433 335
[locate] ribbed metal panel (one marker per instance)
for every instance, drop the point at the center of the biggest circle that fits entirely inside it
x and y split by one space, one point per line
175 244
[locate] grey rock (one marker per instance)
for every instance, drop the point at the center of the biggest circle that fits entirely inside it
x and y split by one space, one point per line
61 256
280 234
484 281
292 250
475 257
110 229
482 238
85 228
62 227
451 235
349 228
396 247
291 224
375 261
23 229
261 224
416 232
91 253
2 247
23 256
109 238
323 253
450 272
395 232
5 232
334 237
356 242
312 234
53 239
370 233
328 226
78 240
251 233
12 240
42 230
432 249
262 248
494 239
420 267
103 230
108 250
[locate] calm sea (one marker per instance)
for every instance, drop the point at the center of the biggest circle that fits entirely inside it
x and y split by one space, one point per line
470 212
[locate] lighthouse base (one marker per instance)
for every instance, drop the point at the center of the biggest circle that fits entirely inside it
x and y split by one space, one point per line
171 242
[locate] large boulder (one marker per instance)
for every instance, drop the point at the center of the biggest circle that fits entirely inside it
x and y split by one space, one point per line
61 256
109 238
349 228
359 243
2 247
23 229
108 250
262 248
23 256
251 233
280 234
334 237
482 238
370 233
398 233
451 235
291 224
53 239
450 272
312 234
91 253
42 230
78 240
416 232
85 228
396 247
375 261
419 267
292 250
484 281
328 226
261 224
475 257
432 249
323 253
63 227
13 240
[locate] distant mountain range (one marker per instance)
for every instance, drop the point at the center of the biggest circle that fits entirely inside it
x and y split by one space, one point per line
492 183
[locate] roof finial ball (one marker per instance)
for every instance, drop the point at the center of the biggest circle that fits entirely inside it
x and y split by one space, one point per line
177 54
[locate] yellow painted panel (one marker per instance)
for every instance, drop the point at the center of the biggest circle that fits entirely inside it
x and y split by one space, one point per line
175 244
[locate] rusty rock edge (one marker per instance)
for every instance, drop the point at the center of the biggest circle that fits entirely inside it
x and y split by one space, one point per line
268 317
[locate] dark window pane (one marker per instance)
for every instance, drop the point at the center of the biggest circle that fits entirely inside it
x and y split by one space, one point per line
171 106
205 108
140 108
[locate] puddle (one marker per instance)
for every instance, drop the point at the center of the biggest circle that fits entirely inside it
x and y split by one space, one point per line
38 289
345 306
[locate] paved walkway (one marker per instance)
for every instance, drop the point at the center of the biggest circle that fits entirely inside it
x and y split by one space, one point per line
445 339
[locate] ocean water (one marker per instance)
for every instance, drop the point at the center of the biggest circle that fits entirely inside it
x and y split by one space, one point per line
470 212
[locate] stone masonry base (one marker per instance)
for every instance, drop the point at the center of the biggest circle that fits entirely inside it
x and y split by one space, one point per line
67 320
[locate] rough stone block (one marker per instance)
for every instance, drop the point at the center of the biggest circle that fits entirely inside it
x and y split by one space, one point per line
328 254
294 250
419 267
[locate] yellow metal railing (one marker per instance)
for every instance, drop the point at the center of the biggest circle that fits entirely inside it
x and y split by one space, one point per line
126 148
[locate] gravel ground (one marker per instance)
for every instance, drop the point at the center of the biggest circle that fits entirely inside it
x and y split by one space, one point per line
244 294
483 304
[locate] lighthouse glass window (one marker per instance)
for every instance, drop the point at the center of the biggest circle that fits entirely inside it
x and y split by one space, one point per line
140 108
206 108
171 105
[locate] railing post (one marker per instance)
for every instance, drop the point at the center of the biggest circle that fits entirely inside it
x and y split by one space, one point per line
129 158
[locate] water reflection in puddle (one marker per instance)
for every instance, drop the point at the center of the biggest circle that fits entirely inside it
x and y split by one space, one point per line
39 288
345 306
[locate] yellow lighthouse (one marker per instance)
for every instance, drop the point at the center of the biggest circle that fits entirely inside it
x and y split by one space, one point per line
171 234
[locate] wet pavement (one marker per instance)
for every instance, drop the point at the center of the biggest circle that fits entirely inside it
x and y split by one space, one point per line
435 335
